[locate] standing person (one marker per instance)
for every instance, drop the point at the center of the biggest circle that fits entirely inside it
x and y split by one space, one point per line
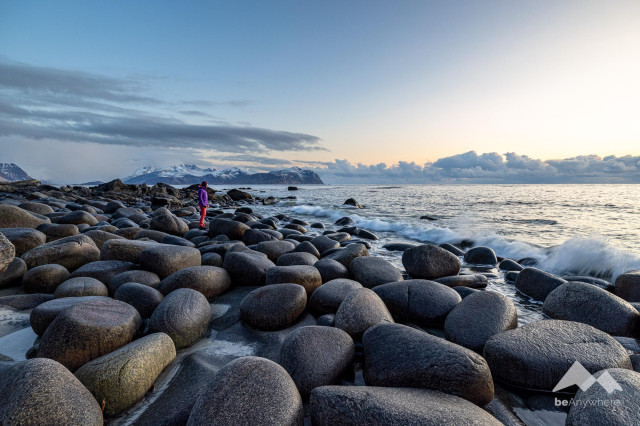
203 202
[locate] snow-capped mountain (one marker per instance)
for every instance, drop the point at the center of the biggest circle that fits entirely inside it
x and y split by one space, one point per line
11 172
184 174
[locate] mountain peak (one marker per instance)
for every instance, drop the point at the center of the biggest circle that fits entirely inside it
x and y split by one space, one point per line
11 172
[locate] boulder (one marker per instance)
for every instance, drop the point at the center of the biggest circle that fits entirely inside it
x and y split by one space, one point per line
352 202
80 286
430 262
465 291
13 273
88 330
42 391
35 207
324 243
627 286
537 284
373 405
237 195
328 297
77 217
232 229
133 276
15 217
247 268
103 270
305 275
360 310
23 239
70 252
121 378
142 297
331 269
255 236
55 231
151 234
45 278
43 315
346 255
211 281
481 256
164 260
7 252
100 237
212 259
595 406
421 302
537 355
184 315
478 317
471 281
273 307
169 224
249 390
297 258
316 356
125 250
327 320
21 302
374 271
400 356
307 247
452 249
586 303
274 249
510 265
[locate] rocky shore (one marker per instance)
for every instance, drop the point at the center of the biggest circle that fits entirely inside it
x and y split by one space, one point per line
134 315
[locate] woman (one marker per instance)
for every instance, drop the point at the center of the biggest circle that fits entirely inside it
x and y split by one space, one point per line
203 202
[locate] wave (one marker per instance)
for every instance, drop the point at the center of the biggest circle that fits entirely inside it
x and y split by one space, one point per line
594 255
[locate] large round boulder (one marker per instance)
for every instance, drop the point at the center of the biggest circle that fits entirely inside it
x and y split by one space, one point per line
537 284
23 239
478 317
481 256
586 303
316 356
323 243
247 268
275 249
331 269
430 262
122 377
103 270
142 297
421 302
70 252
627 286
346 255
78 217
42 391
88 330
45 278
307 247
470 281
80 286
373 405
36 207
232 229
273 307
208 280
15 217
164 259
184 315
400 356
100 237
125 250
328 297
297 258
43 315
359 310
169 224
305 275
133 276
374 271
7 252
13 273
537 355
249 390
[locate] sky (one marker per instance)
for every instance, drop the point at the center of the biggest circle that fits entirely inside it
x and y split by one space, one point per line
360 91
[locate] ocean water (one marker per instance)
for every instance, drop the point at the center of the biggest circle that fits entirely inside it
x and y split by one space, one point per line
569 229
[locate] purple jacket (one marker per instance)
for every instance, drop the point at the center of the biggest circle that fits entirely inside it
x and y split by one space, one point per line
203 196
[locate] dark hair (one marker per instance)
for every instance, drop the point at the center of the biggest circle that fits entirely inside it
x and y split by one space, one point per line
204 183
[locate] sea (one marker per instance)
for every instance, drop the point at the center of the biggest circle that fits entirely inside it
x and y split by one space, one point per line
567 229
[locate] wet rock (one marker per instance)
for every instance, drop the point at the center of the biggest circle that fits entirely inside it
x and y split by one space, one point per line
430 262
184 315
150 234
80 286
372 405
339 236
169 224
511 276
21 302
15 217
125 250
212 259
324 243
255 236
296 227
7 252
304 275
134 276
368 235
420 302
586 303
352 202
103 270
328 297
360 310
142 297
398 246
537 355
478 317
237 195
43 315
45 278
316 356
452 249
598 282
481 256
347 254
291 259
99 237
88 330
42 391
208 280
23 239
627 286
275 249
400 356
510 265
164 260
273 307
307 247
327 320
331 269
77 217
13 273
247 268
471 281
70 252
55 231
537 284
232 229
124 376
465 291
374 271
249 390
35 207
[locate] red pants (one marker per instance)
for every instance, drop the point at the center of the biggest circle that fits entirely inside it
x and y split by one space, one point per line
203 213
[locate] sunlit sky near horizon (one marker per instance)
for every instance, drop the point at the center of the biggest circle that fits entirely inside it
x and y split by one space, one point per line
276 83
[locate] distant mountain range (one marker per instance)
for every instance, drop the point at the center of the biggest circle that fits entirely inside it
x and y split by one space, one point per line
11 172
185 174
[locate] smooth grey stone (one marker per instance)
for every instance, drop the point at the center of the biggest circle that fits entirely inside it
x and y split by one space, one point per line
471 281
125 250
43 315
13 273
103 270
627 286
232 229
177 241
297 258
70 252
305 275
23 302
373 271
274 306
142 297
274 249
212 259
255 236
327 320
169 224
247 268
398 246
360 310
132 276
164 260
510 265
15 217
211 281
453 249
598 282
347 254
537 284
430 262
55 231
184 315
79 287
331 269
22 239
328 297
465 291
323 243
45 278
481 256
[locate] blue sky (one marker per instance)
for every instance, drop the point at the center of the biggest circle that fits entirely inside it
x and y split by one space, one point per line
270 84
